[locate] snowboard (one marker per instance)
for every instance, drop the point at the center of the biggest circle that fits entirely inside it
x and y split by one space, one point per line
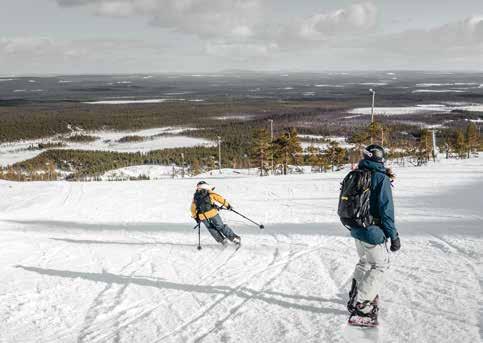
368 322
362 334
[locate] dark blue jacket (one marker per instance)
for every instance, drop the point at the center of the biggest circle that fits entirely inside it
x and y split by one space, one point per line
382 206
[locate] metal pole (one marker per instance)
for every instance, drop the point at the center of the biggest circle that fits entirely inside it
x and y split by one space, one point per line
373 101
271 141
182 165
435 152
372 113
219 154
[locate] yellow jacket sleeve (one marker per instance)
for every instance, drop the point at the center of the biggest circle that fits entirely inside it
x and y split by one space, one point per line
193 210
219 199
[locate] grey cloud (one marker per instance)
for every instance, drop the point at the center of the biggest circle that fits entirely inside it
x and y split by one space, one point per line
238 32
237 21
456 44
204 18
357 18
33 53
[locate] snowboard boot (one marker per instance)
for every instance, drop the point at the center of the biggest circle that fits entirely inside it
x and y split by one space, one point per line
366 309
352 296
376 301
224 242
365 314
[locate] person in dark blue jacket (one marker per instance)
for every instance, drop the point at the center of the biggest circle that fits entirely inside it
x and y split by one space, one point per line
371 241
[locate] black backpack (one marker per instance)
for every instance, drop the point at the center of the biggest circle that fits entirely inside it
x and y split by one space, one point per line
354 199
203 201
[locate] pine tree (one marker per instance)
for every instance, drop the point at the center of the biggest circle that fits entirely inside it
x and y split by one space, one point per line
335 155
195 167
425 146
460 145
287 150
261 150
314 158
375 132
472 138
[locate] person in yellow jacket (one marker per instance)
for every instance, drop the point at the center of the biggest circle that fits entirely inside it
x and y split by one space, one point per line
204 208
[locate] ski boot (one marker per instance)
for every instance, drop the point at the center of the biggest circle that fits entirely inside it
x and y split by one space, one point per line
236 240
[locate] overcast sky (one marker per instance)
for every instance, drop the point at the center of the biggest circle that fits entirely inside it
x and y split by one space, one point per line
148 36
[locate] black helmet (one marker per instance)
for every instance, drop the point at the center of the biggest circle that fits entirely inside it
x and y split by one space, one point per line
201 183
375 153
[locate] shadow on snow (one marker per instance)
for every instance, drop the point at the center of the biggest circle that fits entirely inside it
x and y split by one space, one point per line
242 292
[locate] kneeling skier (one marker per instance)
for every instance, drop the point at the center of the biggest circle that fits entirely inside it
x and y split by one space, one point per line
204 209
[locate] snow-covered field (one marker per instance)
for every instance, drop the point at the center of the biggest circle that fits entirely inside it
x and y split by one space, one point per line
143 101
154 139
117 261
426 108
312 141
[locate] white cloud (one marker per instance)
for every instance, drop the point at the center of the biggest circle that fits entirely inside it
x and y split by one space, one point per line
35 54
247 33
25 45
203 18
241 51
358 18
460 38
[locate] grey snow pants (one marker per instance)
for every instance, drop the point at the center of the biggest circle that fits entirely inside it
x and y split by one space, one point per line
218 229
369 271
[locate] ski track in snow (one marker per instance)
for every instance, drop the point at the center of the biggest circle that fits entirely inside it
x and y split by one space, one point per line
117 262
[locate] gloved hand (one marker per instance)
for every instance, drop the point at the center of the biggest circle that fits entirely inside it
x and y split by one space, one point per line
229 207
197 220
395 244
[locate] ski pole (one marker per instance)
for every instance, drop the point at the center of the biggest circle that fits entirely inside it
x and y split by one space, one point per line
199 235
261 226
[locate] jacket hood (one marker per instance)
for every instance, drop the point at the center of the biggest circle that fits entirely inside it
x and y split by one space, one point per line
372 166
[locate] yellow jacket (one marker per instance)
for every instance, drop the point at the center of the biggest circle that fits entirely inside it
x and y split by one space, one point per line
211 213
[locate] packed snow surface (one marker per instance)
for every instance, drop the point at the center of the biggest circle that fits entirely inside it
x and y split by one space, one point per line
117 261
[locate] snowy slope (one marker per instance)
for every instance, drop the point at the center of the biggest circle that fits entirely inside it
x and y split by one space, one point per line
116 261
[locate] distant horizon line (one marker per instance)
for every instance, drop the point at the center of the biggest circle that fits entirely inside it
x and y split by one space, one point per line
247 71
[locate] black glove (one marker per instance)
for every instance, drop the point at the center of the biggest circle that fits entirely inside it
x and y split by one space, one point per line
229 207
197 220
395 244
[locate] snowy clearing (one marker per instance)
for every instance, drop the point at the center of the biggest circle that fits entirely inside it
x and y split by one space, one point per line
438 91
154 139
425 108
153 172
116 261
425 85
123 102
143 101
329 86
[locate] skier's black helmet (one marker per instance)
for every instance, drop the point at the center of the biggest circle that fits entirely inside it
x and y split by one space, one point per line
201 183
375 153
